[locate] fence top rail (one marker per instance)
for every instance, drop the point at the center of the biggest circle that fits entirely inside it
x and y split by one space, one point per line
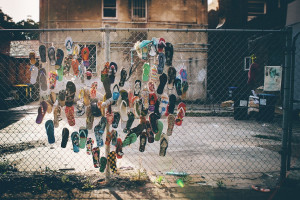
109 29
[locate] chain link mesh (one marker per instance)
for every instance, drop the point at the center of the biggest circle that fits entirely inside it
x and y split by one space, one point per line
227 133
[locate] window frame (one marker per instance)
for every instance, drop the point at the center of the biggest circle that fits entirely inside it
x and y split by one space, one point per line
133 17
103 17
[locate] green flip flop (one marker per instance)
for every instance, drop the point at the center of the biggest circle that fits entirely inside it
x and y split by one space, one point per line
146 71
160 127
129 139
83 132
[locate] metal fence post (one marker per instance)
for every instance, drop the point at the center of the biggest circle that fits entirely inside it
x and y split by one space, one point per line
107 59
286 111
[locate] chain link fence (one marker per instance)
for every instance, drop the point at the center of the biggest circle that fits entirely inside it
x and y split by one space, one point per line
232 124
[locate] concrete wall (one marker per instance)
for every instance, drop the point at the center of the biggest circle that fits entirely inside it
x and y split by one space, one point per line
180 14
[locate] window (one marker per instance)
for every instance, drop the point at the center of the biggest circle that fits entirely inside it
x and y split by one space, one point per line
109 8
256 8
92 56
139 9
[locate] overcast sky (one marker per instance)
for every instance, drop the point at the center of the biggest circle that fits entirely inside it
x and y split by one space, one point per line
20 9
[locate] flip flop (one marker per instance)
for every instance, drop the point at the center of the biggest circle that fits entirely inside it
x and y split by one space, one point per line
116 120
130 98
52 79
70 115
183 74
163 145
51 55
169 53
59 58
114 137
89 146
103 162
161 45
123 77
146 71
109 116
108 138
177 84
153 122
65 137
60 73
145 98
185 87
129 139
137 87
43 79
143 141
98 130
172 101
34 72
160 127
89 118
164 101
96 156
171 77
75 66
112 161
138 129
123 111
106 85
85 52
260 189
102 124
153 73
116 92
42 51
57 114
145 53
75 141
156 109
89 74
94 90
152 101
129 122
41 112
151 87
113 68
70 93
50 131
83 133
96 112
86 97
181 109
162 82
69 45
149 132
80 109
161 63
119 152
171 123
137 107
76 50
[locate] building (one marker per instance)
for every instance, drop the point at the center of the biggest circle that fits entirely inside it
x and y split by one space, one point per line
179 14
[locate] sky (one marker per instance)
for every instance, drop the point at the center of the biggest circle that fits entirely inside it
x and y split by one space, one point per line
19 10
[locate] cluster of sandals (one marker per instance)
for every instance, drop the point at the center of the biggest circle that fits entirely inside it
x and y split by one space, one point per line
119 107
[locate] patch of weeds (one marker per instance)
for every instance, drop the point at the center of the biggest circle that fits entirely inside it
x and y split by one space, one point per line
65 179
40 186
159 180
5 167
221 184
87 184
270 137
184 180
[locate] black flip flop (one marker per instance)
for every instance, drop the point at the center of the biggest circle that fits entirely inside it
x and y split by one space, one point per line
172 101
70 93
169 53
65 137
59 57
177 84
42 51
143 141
123 77
96 112
162 82
129 122
116 120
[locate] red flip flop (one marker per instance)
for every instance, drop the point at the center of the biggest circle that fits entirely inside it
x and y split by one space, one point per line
181 109
70 115
260 189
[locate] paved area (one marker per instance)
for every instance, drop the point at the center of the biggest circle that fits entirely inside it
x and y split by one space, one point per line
209 149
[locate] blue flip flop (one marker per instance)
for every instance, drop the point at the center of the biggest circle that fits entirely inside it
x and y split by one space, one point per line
75 141
50 131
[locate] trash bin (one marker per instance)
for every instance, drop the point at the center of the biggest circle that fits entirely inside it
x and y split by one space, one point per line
230 92
266 107
240 99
